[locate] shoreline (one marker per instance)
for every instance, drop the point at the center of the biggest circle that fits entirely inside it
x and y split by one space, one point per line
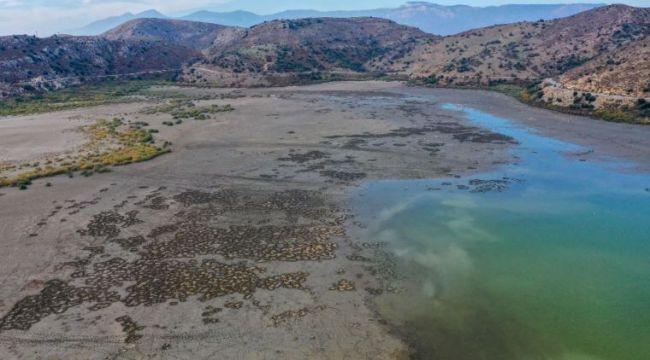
235 187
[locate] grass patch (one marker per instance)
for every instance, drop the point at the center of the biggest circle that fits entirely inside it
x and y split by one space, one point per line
106 92
638 113
110 144
186 109
511 90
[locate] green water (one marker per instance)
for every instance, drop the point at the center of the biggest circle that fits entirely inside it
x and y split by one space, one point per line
554 266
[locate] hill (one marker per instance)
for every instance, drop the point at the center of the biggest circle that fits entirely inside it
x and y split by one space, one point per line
103 25
313 45
590 60
526 51
429 17
624 71
28 63
237 18
447 20
190 34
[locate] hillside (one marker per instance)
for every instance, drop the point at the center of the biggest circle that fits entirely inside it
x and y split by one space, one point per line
526 51
100 26
603 51
448 20
190 34
429 17
621 71
303 46
519 53
237 18
28 62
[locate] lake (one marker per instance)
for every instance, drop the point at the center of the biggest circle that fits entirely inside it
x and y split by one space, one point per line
548 258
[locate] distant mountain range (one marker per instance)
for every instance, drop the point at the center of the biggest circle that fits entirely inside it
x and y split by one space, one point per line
429 17
101 26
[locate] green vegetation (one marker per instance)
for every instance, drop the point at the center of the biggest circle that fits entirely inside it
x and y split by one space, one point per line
617 115
638 113
186 109
431 80
583 104
109 144
105 92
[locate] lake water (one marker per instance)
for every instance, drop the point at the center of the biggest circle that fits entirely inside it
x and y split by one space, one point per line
545 259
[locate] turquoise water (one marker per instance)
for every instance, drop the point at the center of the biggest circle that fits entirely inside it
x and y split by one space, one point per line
555 265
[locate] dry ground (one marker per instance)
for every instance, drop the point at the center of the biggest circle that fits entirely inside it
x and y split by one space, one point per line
236 244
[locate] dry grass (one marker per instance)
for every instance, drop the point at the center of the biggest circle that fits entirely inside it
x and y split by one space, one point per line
186 109
107 92
109 144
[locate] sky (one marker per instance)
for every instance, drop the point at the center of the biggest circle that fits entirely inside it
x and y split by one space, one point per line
44 17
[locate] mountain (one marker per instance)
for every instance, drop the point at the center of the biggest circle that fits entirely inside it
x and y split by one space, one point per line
603 50
626 70
447 20
312 45
233 18
521 53
190 34
271 7
431 18
101 26
524 51
28 62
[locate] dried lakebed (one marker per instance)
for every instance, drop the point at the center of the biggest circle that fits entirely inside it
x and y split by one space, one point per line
244 241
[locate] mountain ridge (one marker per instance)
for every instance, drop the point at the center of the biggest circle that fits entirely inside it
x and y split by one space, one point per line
429 17
603 50
103 25
189 34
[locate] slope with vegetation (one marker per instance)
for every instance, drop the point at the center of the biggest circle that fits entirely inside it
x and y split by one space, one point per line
621 71
258 55
188 34
29 63
593 63
429 17
590 61
109 143
527 51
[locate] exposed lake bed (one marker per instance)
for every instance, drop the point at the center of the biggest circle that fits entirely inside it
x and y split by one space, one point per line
293 226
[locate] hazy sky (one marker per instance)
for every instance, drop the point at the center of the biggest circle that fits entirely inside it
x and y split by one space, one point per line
44 17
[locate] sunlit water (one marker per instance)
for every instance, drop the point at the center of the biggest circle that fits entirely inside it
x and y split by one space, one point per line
554 266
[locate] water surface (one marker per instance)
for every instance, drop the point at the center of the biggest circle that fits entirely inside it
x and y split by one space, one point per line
549 259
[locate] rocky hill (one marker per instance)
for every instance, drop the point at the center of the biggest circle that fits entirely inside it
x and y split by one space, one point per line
526 51
604 50
190 34
313 45
519 53
28 63
429 17
623 71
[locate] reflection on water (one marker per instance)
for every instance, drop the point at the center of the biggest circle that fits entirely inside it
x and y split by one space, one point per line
546 259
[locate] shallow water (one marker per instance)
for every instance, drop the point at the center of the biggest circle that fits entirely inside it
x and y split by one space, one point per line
551 261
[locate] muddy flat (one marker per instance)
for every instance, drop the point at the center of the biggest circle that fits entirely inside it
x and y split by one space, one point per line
237 244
